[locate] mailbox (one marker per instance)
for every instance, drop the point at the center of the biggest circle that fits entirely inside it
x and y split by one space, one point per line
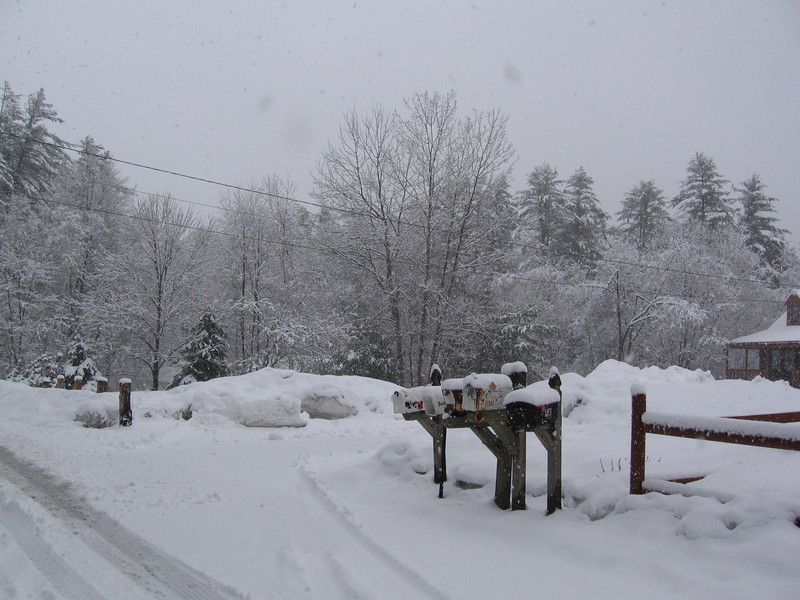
427 399
475 393
486 391
452 391
534 407
405 403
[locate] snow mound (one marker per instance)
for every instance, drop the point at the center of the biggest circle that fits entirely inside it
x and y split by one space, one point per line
614 370
286 398
265 398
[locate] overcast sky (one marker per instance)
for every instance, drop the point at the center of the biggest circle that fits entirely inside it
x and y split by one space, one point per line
236 90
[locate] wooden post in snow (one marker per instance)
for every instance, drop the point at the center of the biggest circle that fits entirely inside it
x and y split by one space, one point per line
125 412
77 383
60 382
519 466
102 384
554 452
638 451
518 373
439 434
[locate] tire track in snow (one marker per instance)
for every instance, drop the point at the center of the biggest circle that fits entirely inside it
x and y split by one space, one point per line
55 569
157 573
387 560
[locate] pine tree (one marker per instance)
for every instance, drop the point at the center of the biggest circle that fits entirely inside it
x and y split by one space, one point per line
583 229
702 197
543 202
764 237
93 193
204 353
41 372
32 155
79 361
10 133
643 213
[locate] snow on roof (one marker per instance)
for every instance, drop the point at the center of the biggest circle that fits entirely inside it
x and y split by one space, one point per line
779 331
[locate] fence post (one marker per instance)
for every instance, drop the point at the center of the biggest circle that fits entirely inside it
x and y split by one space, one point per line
125 413
102 384
77 383
638 451
60 382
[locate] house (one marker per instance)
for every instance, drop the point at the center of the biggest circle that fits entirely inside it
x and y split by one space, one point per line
773 353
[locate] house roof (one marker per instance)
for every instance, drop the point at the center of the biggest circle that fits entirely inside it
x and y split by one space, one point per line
778 332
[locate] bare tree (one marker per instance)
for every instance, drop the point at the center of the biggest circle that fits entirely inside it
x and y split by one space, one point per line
363 179
270 284
149 294
412 200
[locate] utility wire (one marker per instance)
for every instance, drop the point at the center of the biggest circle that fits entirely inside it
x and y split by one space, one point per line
573 255
407 262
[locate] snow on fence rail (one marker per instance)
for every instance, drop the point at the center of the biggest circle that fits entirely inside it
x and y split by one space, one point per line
766 431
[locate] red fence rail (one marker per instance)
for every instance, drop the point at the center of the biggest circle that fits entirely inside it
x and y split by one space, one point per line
766 431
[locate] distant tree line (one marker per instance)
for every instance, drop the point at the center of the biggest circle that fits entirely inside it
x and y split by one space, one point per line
418 253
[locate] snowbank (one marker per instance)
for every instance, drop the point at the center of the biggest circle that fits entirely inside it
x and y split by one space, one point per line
347 508
265 398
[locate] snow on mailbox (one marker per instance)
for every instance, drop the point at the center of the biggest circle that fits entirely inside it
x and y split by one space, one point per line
427 399
485 391
533 407
452 391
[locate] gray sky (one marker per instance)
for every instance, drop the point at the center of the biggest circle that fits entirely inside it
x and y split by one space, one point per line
236 90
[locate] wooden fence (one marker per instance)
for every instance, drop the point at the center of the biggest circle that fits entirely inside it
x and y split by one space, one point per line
766 431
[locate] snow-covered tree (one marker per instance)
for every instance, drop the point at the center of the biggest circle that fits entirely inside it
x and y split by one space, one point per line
92 196
583 227
542 203
32 154
10 134
42 371
759 224
79 360
643 213
31 321
270 285
148 290
456 168
415 205
703 196
203 355
362 178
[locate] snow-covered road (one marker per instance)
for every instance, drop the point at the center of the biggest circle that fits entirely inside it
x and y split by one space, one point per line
84 540
347 509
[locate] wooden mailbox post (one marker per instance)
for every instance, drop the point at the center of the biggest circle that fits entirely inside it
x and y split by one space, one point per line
481 403
125 412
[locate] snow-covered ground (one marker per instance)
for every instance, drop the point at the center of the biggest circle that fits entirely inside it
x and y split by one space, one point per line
211 508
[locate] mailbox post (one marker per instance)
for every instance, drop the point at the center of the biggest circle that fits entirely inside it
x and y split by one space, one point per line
125 412
500 411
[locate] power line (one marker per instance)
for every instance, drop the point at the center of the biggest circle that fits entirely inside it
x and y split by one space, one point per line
179 174
573 255
407 262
